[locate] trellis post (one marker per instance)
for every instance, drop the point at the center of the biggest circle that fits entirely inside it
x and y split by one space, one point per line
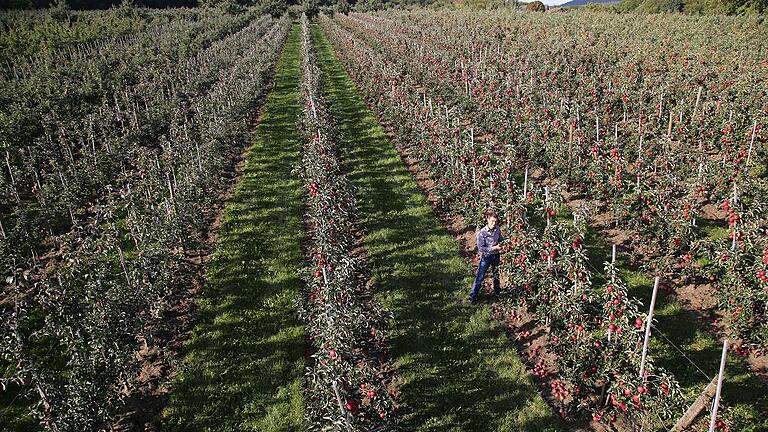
525 184
341 406
716 403
751 143
648 322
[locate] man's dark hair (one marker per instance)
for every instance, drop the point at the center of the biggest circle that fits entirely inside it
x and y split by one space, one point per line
491 214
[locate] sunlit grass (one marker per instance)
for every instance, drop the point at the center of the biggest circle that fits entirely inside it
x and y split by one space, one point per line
244 362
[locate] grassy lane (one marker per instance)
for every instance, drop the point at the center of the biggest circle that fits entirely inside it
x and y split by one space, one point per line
457 371
245 359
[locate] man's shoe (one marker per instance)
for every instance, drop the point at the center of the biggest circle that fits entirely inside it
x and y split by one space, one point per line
472 301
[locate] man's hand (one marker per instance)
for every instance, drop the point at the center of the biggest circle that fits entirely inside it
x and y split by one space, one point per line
495 248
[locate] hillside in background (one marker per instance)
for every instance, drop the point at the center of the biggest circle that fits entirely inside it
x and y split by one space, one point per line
696 7
586 2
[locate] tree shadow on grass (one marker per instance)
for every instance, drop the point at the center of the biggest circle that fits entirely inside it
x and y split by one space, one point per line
456 370
244 361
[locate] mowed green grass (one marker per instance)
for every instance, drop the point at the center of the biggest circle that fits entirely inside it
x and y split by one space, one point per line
456 369
244 363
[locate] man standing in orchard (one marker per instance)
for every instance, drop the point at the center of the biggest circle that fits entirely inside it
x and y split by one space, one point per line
488 239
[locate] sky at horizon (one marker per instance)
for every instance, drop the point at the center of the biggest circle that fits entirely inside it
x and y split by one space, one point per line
554 2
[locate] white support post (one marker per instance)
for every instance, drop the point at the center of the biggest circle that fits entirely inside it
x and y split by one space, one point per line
661 107
751 143
734 200
696 107
716 403
669 126
648 322
341 406
525 184
546 202
597 127
613 279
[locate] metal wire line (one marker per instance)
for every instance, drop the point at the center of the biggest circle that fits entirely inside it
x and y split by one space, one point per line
681 352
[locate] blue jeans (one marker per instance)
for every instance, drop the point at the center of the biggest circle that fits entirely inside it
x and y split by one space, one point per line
485 262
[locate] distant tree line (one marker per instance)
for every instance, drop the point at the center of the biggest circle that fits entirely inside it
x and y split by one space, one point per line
278 7
93 4
728 7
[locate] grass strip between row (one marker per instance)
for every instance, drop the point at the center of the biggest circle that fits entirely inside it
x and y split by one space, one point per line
244 363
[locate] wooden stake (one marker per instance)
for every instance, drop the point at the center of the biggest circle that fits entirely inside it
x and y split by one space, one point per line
697 406
648 322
